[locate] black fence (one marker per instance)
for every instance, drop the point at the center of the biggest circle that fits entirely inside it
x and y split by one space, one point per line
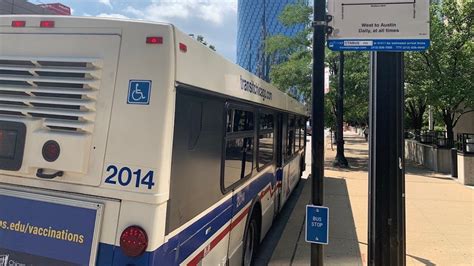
465 143
436 138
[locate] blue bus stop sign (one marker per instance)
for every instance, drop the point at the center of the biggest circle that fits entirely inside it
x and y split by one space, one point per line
317 224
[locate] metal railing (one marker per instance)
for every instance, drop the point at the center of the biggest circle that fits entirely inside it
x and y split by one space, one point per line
436 138
427 137
465 143
441 140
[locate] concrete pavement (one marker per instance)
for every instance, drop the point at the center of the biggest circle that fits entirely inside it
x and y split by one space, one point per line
439 217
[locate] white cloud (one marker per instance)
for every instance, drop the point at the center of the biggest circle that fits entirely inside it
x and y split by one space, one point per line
106 2
134 11
105 15
216 20
165 10
160 12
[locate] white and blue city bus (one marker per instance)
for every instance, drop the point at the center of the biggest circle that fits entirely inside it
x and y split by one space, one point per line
130 143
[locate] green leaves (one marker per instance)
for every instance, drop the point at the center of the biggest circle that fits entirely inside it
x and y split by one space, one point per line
296 71
443 75
298 13
356 85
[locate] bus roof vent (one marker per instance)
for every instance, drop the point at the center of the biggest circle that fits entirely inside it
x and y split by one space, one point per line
61 92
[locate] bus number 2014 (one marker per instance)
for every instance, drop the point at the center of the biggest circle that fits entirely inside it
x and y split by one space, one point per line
124 177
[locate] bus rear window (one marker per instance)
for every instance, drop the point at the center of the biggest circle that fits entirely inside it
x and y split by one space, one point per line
8 140
12 143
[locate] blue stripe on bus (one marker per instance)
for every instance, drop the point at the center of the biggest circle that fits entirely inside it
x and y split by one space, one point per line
191 238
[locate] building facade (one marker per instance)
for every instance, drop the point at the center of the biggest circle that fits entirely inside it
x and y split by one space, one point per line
258 20
22 7
57 8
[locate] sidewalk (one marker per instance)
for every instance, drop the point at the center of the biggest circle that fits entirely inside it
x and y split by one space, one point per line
439 216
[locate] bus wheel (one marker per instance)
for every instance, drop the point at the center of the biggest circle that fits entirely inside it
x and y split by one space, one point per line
250 241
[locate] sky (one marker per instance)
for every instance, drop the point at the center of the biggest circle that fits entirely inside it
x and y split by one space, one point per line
216 20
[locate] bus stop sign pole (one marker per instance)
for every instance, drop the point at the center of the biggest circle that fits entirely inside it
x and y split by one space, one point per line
386 165
317 138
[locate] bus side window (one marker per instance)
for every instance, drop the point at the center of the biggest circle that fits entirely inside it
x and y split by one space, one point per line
239 147
300 134
196 159
266 140
290 144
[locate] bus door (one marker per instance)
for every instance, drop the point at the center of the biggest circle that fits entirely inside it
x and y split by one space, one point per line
285 166
279 162
291 159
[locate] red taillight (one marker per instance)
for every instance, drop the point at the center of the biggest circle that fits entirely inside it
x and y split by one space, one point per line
51 151
47 24
18 24
154 40
183 48
133 241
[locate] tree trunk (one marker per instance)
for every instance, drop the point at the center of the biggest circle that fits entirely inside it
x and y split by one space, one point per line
449 122
415 111
340 160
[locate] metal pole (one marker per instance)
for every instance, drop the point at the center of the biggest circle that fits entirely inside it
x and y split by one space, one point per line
317 138
340 160
386 165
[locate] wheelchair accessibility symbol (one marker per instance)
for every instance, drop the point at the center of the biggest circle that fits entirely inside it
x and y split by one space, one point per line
139 92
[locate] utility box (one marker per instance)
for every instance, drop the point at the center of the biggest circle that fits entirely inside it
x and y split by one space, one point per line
465 158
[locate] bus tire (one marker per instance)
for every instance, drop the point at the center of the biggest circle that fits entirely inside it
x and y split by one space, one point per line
251 240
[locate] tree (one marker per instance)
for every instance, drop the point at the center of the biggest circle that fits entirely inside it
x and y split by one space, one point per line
340 160
296 71
442 76
200 39
356 79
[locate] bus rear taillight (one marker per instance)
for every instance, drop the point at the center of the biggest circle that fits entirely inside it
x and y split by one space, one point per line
47 24
154 40
183 47
18 24
133 241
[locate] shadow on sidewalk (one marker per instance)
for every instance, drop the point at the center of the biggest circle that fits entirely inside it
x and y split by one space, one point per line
343 245
356 153
415 169
355 164
285 242
271 240
423 261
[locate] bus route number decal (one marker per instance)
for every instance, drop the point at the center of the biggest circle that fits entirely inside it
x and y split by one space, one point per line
125 176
